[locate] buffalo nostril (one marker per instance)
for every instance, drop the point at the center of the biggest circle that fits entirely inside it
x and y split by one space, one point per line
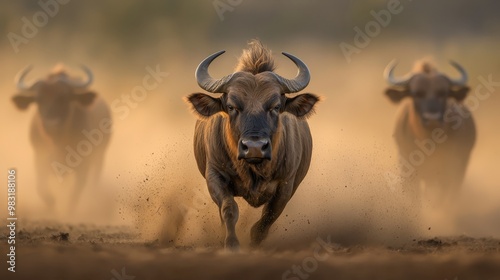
254 148
265 146
244 147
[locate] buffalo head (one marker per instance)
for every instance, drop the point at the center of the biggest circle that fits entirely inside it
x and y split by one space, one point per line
429 90
253 101
53 95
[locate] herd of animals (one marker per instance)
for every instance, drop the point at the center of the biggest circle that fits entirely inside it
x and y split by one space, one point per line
251 138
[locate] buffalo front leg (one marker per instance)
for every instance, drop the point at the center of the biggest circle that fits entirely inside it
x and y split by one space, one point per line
228 208
43 172
97 165
81 176
272 210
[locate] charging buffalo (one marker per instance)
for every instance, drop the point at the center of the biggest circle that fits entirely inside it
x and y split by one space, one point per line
252 140
435 132
70 130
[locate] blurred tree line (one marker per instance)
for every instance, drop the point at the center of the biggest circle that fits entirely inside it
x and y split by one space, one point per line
133 23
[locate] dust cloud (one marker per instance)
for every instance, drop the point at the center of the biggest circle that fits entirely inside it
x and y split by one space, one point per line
346 195
150 179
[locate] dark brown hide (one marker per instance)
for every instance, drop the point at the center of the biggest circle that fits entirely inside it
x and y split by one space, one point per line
69 132
434 132
253 141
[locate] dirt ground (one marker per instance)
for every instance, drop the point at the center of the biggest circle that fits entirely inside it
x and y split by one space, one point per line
63 251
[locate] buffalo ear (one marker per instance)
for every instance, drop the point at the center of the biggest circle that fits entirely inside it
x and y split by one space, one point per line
301 105
85 98
459 93
396 94
22 101
204 104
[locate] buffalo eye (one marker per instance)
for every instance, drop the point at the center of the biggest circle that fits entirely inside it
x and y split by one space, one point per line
276 109
231 109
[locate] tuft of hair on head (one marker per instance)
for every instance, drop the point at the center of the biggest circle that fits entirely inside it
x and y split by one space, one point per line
257 58
57 72
425 65
58 69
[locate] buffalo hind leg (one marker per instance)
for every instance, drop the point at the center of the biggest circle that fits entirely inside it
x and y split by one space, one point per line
272 210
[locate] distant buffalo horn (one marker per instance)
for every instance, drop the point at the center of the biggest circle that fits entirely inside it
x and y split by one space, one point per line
19 80
389 76
463 78
90 79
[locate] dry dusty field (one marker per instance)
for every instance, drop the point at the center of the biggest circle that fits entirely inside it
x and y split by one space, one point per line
150 173
62 251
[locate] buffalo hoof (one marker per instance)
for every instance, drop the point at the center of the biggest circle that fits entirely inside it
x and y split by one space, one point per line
232 244
257 235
